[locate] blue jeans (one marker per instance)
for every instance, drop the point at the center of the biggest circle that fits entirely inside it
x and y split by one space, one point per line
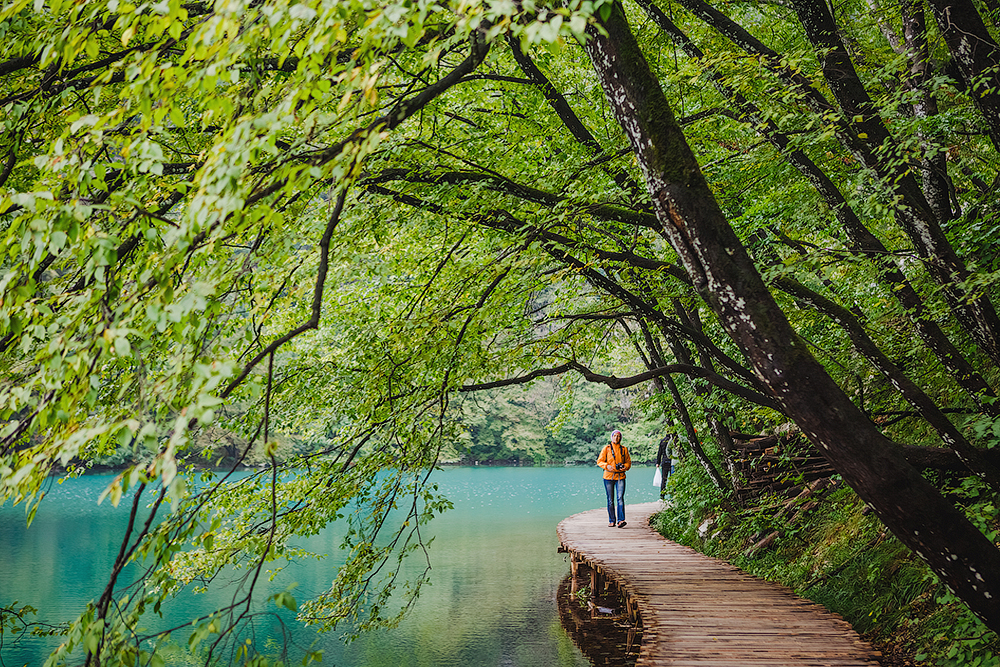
611 486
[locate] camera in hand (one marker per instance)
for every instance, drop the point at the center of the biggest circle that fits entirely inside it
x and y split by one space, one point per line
619 466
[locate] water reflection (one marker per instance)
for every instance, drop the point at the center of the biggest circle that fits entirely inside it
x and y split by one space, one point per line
595 614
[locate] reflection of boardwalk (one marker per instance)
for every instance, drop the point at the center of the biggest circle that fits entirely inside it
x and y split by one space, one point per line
703 612
606 639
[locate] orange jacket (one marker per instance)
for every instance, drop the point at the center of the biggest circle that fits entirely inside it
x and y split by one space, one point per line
612 455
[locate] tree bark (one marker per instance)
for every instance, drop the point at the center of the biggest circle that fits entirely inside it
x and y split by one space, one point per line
913 212
977 55
935 458
861 239
933 163
725 275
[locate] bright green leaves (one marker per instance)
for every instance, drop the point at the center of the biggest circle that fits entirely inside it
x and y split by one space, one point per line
162 224
551 24
383 531
286 599
202 631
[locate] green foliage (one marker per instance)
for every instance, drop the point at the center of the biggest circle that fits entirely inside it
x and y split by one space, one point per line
958 638
163 229
692 499
297 235
549 422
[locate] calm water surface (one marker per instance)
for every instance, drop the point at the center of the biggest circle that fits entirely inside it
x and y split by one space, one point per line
492 598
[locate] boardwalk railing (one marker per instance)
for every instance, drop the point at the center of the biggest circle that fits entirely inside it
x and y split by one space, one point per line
703 612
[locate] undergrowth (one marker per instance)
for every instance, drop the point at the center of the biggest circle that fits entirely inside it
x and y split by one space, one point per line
841 556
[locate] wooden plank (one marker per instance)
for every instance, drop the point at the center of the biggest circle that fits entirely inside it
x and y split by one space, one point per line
698 611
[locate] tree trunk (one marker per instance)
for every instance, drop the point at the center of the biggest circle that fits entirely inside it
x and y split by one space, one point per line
934 167
691 436
913 212
724 274
977 56
860 239
716 422
682 412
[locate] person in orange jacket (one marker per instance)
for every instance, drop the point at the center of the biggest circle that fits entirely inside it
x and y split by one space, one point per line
616 461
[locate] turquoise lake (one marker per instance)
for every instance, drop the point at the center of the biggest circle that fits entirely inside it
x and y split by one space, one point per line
492 598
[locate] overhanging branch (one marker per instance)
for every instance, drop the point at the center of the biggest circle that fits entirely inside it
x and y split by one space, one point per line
313 321
615 382
601 211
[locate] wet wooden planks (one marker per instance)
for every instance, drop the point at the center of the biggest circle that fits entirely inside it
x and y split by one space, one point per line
701 612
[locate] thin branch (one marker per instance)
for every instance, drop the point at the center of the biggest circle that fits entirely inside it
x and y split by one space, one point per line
601 211
317 304
622 383
503 221
8 166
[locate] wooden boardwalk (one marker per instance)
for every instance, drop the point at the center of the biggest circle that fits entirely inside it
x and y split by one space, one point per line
703 612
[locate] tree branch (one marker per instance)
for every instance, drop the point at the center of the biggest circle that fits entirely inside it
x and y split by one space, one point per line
507 186
623 383
317 303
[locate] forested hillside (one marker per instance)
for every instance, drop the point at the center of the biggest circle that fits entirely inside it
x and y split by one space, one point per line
544 423
547 422
352 223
